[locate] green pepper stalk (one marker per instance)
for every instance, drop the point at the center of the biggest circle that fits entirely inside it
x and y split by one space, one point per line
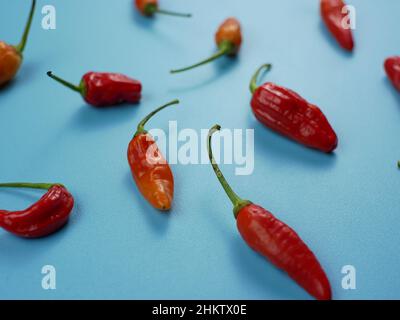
39 186
141 125
21 46
228 39
253 84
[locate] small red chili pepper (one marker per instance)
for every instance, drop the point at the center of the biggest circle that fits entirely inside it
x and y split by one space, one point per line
44 217
392 67
150 170
284 111
275 240
333 16
150 7
228 39
105 89
11 56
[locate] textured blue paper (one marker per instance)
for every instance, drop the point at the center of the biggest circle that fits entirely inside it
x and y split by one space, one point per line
345 206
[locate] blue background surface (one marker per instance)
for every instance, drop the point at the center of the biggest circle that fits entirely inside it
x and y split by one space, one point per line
345 206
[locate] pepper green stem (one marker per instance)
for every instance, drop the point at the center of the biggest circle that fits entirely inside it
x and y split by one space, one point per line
21 46
151 9
398 164
237 202
80 88
42 186
253 84
226 47
141 129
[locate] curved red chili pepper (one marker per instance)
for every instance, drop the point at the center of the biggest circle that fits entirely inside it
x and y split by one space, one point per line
228 39
275 240
44 217
287 113
150 7
11 56
150 170
392 67
333 16
105 89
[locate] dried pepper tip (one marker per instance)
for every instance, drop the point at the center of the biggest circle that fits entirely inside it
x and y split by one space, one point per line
237 202
21 46
141 129
81 88
253 84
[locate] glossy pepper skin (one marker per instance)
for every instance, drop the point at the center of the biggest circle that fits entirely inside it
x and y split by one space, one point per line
275 240
149 8
287 113
333 17
150 170
43 218
228 39
11 56
101 89
392 68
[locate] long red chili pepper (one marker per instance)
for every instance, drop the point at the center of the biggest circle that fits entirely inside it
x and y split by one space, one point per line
392 67
333 16
11 56
228 39
105 89
287 113
150 7
44 217
275 240
150 170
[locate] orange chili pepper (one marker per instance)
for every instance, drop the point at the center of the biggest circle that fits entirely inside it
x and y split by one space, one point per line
228 39
150 170
11 56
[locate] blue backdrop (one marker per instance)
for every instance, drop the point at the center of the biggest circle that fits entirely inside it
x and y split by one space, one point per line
346 206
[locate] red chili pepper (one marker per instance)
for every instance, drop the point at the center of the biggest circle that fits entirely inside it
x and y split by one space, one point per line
333 16
150 170
105 89
275 240
392 67
284 111
228 39
44 217
11 56
150 7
